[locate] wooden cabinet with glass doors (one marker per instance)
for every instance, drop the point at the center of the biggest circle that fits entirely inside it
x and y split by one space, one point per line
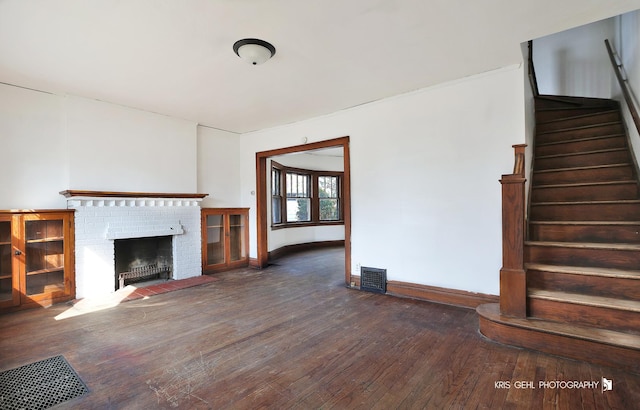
36 258
225 238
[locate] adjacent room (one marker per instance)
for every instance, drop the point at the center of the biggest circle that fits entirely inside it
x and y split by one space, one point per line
390 204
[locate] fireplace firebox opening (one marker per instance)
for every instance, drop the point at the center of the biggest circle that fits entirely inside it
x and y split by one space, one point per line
142 259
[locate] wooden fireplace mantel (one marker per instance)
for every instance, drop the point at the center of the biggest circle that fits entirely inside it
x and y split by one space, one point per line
69 193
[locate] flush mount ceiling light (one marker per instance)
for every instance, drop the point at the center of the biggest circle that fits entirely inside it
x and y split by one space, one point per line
253 50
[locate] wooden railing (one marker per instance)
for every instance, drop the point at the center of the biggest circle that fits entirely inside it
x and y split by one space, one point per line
532 72
624 86
513 284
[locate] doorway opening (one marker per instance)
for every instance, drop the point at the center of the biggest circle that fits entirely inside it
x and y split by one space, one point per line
263 191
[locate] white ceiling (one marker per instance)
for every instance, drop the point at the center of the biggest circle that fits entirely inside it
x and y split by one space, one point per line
175 57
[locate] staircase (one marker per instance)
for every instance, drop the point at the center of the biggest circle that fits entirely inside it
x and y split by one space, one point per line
582 256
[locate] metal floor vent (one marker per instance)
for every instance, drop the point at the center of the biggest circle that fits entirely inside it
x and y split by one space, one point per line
373 279
40 385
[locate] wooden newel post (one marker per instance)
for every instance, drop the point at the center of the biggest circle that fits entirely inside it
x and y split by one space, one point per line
513 281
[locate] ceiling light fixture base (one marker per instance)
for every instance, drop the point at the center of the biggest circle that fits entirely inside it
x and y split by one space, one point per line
253 50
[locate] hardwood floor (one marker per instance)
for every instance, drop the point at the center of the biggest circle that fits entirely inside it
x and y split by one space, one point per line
293 336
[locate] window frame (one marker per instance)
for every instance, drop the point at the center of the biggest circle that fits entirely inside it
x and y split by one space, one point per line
315 199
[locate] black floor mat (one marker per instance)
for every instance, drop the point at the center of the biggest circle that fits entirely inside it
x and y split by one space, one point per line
40 385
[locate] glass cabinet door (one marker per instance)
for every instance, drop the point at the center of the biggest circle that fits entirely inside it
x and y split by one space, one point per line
44 256
9 284
215 239
225 238
237 237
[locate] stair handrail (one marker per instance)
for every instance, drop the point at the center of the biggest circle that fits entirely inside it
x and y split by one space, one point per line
624 84
532 71
513 290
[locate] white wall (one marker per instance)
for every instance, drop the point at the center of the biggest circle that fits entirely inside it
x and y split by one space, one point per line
277 238
575 62
627 45
33 150
51 143
114 148
218 167
425 167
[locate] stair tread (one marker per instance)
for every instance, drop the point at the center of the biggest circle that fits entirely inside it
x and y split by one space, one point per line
590 167
587 271
579 184
594 223
587 300
621 201
581 127
605 336
577 117
586 245
599 137
570 154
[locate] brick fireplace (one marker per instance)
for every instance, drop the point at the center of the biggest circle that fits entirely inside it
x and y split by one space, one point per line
101 218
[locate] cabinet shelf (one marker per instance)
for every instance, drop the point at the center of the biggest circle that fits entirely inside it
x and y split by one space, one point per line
5 276
5 243
44 240
47 270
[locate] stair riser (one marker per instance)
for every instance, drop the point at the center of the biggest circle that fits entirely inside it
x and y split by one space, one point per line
583 160
586 212
582 146
627 359
586 257
620 173
561 124
572 134
622 288
605 318
586 193
585 233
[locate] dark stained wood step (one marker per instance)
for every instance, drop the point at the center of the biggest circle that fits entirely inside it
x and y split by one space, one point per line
578 120
606 347
582 145
585 310
612 172
596 255
611 283
582 159
595 191
627 210
585 231
587 131
550 114
543 102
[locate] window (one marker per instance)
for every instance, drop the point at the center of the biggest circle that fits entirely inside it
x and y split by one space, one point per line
328 198
301 197
298 197
276 196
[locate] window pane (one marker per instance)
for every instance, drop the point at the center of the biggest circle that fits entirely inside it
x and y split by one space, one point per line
329 210
275 182
298 209
276 211
327 187
297 185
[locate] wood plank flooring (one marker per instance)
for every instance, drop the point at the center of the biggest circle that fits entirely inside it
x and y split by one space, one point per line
292 336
